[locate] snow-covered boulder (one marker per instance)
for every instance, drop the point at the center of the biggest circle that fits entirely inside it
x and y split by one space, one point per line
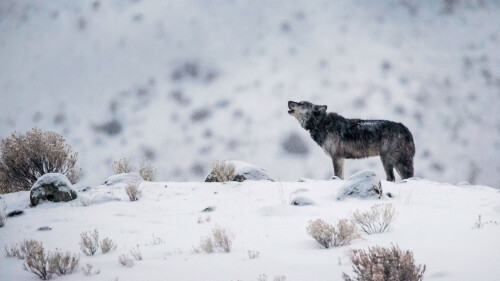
244 171
364 184
52 187
123 178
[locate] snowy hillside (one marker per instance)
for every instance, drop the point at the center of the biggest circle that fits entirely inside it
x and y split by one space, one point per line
435 221
189 82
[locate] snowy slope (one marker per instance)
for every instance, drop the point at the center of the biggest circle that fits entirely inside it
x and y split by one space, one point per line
203 81
433 220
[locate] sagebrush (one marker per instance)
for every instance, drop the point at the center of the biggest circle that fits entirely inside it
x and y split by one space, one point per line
376 220
222 171
22 249
3 215
107 245
26 157
133 191
125 260
380 264
122 166
37 262
329 236
146 169
219 238
89 242
62 263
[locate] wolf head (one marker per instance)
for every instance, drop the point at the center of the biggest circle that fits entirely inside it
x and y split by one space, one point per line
303 110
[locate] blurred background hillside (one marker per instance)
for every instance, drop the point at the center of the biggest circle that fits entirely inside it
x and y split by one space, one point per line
185 83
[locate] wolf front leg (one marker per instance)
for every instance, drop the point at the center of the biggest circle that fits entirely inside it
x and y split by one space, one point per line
338 167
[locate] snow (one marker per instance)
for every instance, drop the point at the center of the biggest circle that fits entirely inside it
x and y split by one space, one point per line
55 179
434 220
250 172
123 178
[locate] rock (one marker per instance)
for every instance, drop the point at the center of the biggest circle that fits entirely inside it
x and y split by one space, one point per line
44 228
244 171
209 209
53 187
364 184
123 178
302 201
15 213
335 178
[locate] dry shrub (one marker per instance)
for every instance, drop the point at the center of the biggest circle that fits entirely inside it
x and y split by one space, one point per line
125 260
206 245
62 263
480 223
88 270
253 254
376 220
89 243
329 236
136 253
21 250
25 158
147 171
122 166
133 191
222 171
223 238
37 262
3 215
107 245
379 264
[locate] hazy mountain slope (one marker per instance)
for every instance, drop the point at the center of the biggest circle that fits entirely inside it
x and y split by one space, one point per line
190 82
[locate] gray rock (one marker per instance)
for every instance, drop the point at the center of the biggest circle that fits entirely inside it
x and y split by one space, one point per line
44 228
209 209
364 184
53 187
15 213
302 201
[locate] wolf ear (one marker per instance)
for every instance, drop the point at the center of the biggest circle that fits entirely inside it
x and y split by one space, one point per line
320 107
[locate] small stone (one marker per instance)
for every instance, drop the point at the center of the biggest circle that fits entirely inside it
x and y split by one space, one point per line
15 213
209 209
44 228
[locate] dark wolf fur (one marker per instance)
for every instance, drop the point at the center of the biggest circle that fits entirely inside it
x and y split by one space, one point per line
343 138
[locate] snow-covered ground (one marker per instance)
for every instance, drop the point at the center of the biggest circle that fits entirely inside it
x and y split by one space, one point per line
209 80
434 220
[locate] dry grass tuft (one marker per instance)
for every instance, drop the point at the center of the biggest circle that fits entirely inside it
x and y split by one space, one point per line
379 264
136 253
125 260
147 171
376 220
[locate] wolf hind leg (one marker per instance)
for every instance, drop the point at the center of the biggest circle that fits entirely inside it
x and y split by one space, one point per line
389 168
405 168
338 167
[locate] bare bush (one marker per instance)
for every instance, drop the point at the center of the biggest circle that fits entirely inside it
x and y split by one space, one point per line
3 215
223 238
25 158
378 264
88 270
223 171
37 262
329 236
147 171
133 191
125 260
122 166
136 253
62 263
376 220
22 249
107 245
253 254
89 243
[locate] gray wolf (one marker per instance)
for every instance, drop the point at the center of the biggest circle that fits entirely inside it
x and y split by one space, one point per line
342 138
